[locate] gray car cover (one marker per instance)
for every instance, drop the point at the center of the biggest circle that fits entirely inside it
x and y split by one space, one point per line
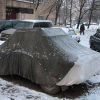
43 56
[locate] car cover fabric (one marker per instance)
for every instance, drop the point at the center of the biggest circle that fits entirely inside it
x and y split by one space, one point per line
42 55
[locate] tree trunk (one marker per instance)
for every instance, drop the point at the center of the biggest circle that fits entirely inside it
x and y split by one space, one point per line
91 10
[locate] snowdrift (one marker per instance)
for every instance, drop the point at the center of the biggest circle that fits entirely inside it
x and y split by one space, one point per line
47 56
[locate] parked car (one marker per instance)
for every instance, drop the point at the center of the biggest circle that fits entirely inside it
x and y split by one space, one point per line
70 32
48 57
95 41
26 24
7 24
41 23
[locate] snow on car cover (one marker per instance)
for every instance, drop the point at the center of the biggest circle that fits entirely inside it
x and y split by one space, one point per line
47 56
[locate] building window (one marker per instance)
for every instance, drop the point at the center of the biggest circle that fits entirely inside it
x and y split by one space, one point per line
40 17
40 1
36 1
24 10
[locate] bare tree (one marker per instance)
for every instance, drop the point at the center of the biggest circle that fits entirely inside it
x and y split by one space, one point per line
95 7
96 12
53 7
58 5
66 13
81 10
37 4
91 11
71 13
82 3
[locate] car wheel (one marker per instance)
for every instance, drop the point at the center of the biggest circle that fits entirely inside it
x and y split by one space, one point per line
92 47
51 89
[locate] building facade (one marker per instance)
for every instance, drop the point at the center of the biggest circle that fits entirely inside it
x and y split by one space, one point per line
26 9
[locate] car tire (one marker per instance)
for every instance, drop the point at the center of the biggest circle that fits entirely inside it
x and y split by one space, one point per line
51 89
92 47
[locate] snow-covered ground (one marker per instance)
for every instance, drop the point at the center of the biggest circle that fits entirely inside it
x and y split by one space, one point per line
11 91
85 38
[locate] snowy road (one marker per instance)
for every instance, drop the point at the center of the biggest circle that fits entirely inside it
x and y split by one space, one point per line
90 90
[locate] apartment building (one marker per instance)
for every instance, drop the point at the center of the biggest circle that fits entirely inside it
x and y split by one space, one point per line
26 9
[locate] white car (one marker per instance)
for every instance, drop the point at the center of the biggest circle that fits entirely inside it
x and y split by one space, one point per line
71 32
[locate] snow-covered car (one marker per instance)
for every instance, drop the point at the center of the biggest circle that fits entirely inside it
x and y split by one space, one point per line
26 24
49 57
71 32
95 41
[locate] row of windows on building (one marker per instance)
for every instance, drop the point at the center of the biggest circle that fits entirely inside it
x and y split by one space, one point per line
20 10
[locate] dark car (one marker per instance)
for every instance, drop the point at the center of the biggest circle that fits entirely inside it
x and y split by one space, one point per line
95 41
48 57
7 24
